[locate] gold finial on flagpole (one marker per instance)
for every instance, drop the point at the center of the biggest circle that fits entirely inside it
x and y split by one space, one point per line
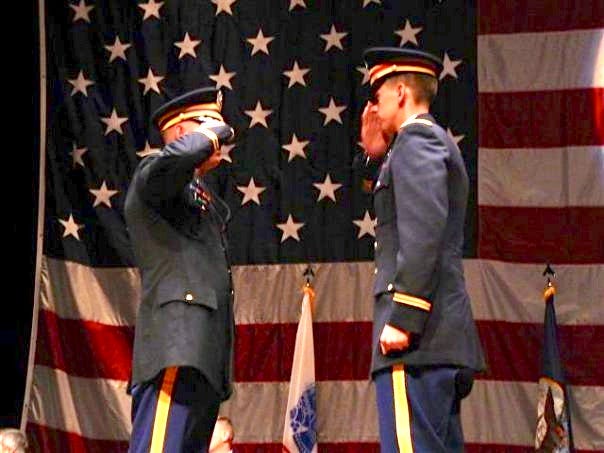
550 289
309 274
307 289
549 271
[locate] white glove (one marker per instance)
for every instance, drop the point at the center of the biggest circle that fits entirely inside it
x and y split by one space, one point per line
208 121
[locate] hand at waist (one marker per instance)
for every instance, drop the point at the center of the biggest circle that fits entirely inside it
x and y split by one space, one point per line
394 340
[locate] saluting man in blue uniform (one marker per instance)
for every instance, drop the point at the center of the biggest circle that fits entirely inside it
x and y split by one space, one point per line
425 343
182 360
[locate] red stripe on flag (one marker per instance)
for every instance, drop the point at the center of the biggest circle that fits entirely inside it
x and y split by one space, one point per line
43 439
541 235
264 352
536 119
514 351
503 16
84 348
497 448
46 440
369 447
502 448
348 447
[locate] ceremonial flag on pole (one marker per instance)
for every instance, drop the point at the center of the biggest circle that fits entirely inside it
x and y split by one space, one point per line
299 431
553 434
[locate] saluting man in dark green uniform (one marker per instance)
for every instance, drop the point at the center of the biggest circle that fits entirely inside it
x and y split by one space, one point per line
182 363
425 343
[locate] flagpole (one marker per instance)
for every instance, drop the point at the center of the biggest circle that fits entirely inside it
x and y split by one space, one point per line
33 336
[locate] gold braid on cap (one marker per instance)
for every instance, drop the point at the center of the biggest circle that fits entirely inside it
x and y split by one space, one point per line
381 70
194 111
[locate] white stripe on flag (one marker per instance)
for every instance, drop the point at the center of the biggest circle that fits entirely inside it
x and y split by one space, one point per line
347 287
541 61
531 177
93 408
261 289
350 404
500 412
76 291
513 292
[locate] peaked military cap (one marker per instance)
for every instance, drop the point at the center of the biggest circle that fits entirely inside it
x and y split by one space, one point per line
200 102
383 62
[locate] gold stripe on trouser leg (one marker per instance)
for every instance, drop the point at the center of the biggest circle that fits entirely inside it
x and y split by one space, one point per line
402 417
163 408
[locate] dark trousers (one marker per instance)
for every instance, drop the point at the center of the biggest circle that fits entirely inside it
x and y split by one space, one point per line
419 409
173 413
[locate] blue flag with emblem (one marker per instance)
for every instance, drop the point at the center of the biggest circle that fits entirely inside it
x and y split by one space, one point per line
553 433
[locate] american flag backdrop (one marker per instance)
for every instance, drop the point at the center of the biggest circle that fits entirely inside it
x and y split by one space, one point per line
522 93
